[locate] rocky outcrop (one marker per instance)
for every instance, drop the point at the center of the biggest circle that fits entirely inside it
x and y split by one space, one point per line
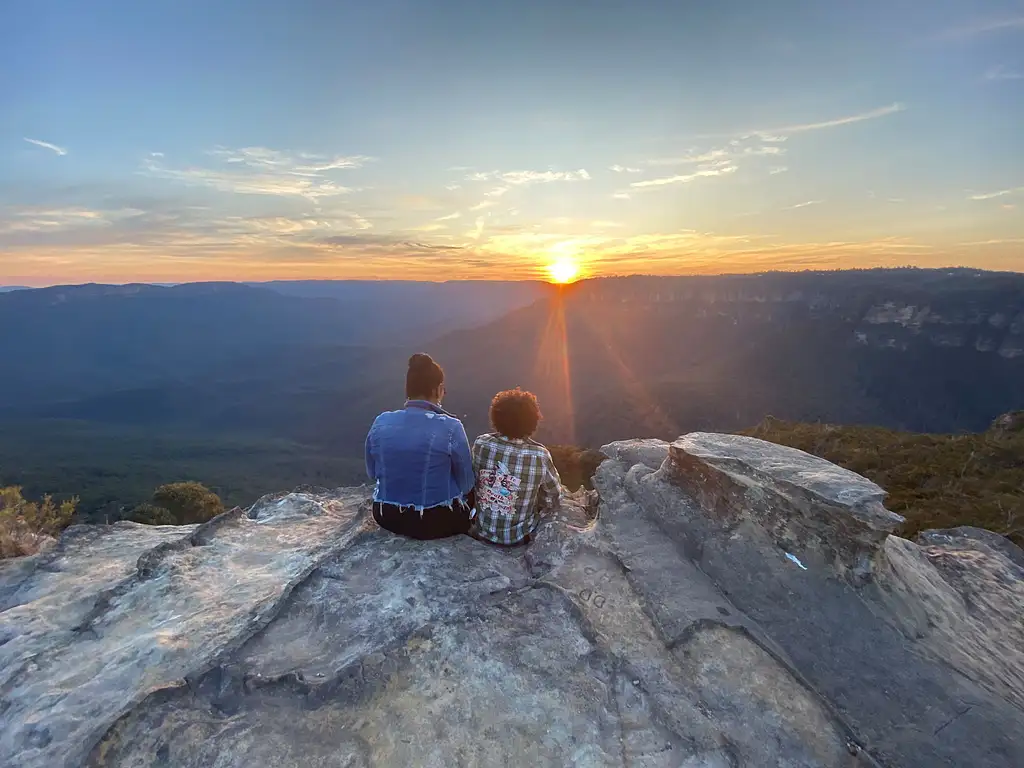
720 602
957 594
1008 423
804 503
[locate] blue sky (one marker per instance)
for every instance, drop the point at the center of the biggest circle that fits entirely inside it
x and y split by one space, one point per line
189 140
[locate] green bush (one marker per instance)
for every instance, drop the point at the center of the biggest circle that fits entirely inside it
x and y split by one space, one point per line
576 466
28 526
151 514
183 503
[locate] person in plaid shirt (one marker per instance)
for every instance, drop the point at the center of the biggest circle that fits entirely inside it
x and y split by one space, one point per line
516 479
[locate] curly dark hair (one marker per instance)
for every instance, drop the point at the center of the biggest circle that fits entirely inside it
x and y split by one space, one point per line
515 413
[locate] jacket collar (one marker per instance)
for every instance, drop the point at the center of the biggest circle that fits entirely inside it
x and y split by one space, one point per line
426 405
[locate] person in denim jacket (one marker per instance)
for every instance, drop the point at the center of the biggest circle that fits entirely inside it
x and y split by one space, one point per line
420 461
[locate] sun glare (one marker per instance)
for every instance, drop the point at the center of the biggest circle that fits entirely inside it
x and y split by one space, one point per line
563 271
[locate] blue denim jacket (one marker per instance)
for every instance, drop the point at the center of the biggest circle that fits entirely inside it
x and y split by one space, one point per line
419 457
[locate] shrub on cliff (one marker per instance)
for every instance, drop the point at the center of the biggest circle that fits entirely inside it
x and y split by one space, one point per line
934 481
576 466
179 504
26 527
151 514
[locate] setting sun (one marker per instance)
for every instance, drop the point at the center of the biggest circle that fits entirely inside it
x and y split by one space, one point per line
563 271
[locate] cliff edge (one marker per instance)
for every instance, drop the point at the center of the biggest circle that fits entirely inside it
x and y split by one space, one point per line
720 602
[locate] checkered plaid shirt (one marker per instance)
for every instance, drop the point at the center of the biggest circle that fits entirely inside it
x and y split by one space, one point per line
516 482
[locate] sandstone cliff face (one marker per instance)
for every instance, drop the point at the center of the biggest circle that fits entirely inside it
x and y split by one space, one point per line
984 312
898 325
724 603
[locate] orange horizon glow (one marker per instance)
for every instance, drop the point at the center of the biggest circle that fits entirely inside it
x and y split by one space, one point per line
536 259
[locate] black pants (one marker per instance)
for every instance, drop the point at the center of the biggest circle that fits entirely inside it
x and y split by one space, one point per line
433 523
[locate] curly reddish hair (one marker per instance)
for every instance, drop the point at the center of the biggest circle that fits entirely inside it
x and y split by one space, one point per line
515 413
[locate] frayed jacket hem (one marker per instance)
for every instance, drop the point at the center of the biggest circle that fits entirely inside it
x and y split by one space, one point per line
421 508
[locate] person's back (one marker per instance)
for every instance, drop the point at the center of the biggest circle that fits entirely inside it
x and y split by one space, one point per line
516 478
420 461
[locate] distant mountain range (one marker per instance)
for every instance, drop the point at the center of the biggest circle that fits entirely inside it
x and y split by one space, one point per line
313 362
97 340
938 351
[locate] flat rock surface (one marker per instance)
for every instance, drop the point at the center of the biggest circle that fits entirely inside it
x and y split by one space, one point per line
299 634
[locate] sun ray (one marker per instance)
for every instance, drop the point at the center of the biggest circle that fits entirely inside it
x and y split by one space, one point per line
553 372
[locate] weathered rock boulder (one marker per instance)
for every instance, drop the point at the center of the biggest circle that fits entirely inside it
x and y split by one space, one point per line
721 602
805 503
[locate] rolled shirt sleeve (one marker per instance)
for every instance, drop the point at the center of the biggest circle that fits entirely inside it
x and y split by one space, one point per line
551 486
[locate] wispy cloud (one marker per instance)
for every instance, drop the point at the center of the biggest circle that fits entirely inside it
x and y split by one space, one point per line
999 193
483 204
518 178
39 219
684 178
873 114
981 27
449 217
262 171
781 134
295 163
745 145
997 241
47 145
803 205
1000 72
624 169
709 156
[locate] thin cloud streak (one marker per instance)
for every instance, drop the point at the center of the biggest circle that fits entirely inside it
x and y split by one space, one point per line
998 241
873 114
298 163
981 27
1000 72
1000 193
518 178
47 145
684 178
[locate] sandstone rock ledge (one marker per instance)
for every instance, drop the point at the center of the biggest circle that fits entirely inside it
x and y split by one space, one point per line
734 604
